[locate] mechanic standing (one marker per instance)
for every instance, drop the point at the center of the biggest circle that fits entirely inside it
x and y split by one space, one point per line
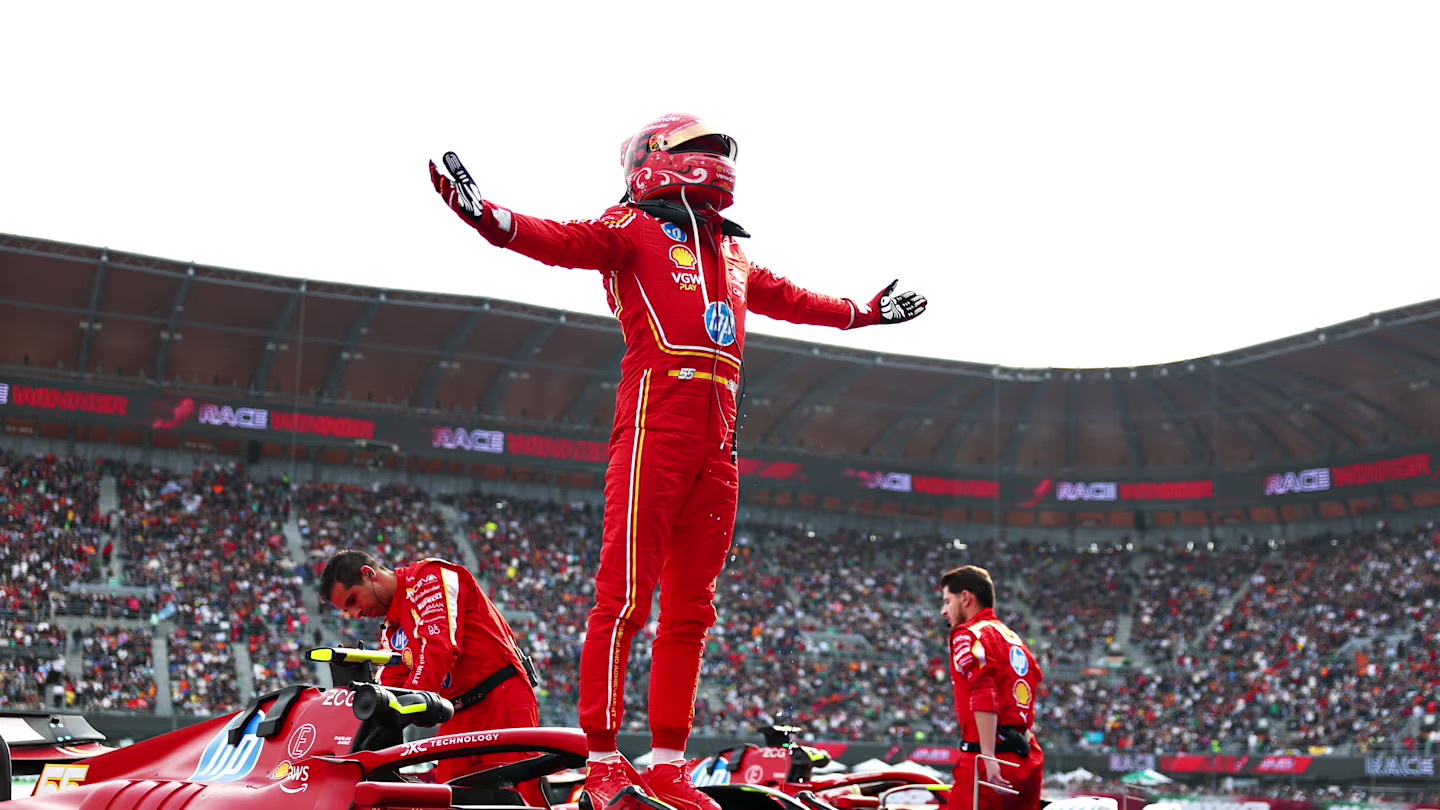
678 282
997 681
451 639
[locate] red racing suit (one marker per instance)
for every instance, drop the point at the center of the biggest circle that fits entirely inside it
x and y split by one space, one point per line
994 671
671 486
451 638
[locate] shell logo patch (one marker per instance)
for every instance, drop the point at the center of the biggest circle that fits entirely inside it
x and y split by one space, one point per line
282 770
408 658
1022 693
682 257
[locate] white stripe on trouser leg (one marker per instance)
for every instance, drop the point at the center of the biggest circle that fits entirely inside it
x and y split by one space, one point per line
630 518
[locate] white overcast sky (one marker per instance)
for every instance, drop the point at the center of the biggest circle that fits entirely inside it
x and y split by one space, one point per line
1070 183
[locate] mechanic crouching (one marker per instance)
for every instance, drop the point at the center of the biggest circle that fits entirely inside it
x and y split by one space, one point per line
451 638
997 681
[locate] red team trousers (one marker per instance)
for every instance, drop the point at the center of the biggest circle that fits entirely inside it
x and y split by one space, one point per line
511 705
670 500
1025 776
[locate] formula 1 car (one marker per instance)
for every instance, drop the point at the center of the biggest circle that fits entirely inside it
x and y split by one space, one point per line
304 747
785 767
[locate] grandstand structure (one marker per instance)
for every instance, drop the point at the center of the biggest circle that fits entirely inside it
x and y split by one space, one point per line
1212 558
102 346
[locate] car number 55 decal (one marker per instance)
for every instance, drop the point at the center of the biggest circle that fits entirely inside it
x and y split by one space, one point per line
56 778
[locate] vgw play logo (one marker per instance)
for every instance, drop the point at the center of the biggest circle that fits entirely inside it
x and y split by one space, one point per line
222 762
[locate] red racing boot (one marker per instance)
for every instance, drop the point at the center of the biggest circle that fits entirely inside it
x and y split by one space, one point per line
609 786
672 785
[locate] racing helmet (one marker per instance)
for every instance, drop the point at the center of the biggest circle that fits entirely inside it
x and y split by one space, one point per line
680 151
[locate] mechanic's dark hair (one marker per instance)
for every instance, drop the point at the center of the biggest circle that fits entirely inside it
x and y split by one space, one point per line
970 578
344 569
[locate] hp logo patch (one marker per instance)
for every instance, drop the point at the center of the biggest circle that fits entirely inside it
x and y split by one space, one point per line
720 323
673 231
399 641
1019 662
222 762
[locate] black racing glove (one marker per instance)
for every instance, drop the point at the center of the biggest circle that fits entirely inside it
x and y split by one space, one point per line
460 193
887 307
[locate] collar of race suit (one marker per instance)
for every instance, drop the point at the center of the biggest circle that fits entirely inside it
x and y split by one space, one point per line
675 213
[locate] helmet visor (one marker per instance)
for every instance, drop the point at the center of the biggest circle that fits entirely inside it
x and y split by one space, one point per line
700 138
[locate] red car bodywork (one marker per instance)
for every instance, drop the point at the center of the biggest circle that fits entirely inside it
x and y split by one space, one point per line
788 769
302 761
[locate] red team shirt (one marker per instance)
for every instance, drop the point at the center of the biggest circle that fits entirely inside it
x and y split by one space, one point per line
660 281
449 634
993 671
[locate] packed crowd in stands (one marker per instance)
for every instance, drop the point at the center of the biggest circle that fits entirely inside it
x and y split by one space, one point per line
277 661
209 543
32 657
49 527
1180 591
1250 649
202 671
396 522
1333 640
1078 601
117 671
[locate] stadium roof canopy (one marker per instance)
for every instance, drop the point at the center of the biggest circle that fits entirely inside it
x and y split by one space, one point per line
1358 387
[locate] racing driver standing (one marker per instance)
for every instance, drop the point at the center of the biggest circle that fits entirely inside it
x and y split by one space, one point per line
678 282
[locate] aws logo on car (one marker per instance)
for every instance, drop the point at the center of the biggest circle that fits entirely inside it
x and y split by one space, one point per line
223 762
